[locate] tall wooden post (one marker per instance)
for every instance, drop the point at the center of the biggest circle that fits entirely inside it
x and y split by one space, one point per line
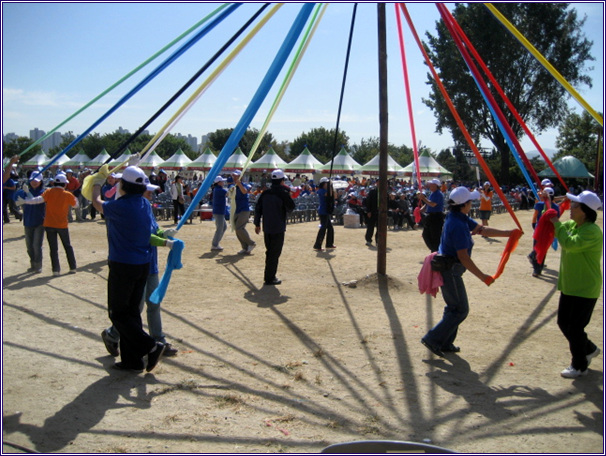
383 153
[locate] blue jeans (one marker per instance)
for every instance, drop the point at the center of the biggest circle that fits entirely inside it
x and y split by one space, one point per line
457 308
34 236
221 226
53 247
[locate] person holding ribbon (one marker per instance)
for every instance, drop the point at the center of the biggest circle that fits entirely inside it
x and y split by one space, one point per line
455 248
580 278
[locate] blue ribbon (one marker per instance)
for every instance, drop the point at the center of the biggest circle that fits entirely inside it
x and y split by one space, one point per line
173 262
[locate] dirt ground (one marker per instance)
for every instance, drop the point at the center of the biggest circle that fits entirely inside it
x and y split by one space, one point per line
333 354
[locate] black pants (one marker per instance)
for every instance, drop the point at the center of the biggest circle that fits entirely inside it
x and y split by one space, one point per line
326 230
574 313
125 287
434 221
178 210
53 247
371 223
273 250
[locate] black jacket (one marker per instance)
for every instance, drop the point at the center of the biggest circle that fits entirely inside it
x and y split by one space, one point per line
272 206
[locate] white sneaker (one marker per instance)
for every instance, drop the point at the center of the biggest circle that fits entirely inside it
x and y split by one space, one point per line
243 252
56 273
216 248
571 372
250 248
590 356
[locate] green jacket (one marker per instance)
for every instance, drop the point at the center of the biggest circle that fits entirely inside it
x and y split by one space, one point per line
580 272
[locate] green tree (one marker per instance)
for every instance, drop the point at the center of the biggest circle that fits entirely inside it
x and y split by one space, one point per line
320 142
553 28
369 148
17 146
218 138
578 136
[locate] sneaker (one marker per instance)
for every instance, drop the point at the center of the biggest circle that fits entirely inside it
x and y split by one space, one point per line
274 281
56 273
592 355
369 244
31 269
218 247
571 372
451 349
153 358
169 350
250 248
318 250
243 252
331 247
435 350
536 274
112 347
125 367
72 271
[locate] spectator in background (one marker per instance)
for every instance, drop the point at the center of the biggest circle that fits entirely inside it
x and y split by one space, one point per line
485 203
177 193
73 186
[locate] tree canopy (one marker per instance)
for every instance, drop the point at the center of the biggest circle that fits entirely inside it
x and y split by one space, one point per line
320 142
218 138
553 29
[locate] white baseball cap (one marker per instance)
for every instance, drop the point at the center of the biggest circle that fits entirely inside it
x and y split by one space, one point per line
589 199
435 182
60 179
135 175
545 182
277 174
219 179
461 195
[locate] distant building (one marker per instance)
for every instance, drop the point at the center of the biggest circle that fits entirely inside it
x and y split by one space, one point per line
9 137
36 134
53 140
189 139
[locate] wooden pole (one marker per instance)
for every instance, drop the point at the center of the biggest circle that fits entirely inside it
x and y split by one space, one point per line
383 116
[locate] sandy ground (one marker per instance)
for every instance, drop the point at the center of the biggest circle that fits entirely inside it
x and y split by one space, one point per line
300 366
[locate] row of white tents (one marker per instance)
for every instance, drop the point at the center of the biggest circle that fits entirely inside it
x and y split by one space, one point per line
343 163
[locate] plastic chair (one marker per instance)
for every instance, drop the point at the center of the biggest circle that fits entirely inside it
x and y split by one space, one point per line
384 446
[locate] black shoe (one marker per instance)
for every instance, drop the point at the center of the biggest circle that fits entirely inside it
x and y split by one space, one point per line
112 347
154 357
274 281
126 367
169 350
435 350
451 349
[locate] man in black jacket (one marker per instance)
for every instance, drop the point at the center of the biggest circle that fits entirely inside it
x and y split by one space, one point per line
272 206
372 213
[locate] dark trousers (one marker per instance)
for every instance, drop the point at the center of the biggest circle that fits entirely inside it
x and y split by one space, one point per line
9 206
125 288
53 247
326 230
574 313
273 250
34 237
371 223
434 221
178 210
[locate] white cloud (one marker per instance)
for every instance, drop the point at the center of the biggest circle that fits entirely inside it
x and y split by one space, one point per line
37 99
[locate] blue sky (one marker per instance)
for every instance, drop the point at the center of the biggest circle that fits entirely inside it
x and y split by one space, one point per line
58 56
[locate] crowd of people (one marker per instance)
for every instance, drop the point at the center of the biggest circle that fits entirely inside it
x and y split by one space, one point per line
442 209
